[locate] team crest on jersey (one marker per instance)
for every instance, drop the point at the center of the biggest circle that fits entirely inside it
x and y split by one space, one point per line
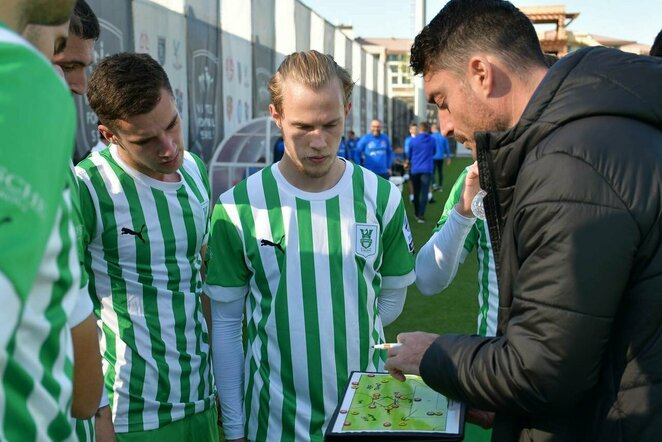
367 237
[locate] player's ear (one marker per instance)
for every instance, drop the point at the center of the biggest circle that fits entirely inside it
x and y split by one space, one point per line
348 108
106 132
275 116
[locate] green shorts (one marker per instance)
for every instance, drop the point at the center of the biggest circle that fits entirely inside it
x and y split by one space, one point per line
201 427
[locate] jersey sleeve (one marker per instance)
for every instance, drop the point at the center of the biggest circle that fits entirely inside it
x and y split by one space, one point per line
227 274
397 267
32 166
453 199
87 210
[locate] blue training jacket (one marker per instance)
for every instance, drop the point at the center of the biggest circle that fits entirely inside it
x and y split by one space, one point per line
421 152
376 153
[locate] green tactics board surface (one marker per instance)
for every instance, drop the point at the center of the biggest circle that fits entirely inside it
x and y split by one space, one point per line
376 402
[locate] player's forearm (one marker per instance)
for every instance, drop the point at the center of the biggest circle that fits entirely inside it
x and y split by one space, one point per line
228 359
390 304
438 260
88 380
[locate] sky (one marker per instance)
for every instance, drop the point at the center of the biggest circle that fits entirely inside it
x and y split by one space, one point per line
638 20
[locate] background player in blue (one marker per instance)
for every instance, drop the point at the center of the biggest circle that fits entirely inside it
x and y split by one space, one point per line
421 151
374 151
442 152
350 144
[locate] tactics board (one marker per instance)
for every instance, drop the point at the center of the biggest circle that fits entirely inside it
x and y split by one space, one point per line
376 403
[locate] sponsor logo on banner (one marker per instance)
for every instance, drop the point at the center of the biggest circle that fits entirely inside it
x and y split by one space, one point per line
367 239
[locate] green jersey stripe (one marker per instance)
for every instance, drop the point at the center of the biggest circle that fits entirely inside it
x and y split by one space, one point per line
310 309
42 387
85 430
383 194
60 428
337 290
287 406
360 215
109 346
179 302
187 196
262 306
119 302
155 308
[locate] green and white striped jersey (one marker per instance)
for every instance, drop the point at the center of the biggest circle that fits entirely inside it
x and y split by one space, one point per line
39 271
85 430
488 288
312 266
143 260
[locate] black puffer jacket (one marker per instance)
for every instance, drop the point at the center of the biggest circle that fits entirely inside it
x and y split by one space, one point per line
576 227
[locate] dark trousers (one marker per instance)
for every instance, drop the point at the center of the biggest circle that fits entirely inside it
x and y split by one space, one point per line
439 168
421 182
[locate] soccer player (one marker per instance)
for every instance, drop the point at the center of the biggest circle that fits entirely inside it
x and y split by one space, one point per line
39 272
413 130
442 152
374 151
457 233
421 168
318 252
78 53
145 207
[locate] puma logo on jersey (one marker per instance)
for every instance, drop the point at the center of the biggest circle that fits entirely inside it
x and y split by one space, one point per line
266 242
5 220
139 234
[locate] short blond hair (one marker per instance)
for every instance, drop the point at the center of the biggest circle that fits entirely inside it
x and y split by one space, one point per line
311 69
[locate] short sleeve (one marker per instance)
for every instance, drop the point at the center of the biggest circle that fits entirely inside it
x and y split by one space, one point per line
227 273
397 267
37 142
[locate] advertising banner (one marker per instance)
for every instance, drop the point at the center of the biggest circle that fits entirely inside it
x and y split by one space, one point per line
204 87
237 65
116 36
264 55
161 33
302 26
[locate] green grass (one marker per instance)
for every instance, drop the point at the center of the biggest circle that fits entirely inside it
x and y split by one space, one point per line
455 310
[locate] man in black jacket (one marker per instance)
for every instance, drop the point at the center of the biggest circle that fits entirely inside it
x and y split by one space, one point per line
571 159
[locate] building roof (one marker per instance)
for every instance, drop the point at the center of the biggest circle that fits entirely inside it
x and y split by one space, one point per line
392 45
610 41
548 14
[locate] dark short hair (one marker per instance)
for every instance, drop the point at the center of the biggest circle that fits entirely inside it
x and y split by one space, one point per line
656 49
84 23
463 27
550 59
126 84
424 126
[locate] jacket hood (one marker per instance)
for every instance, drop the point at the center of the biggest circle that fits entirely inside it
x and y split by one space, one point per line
587 83
576 87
